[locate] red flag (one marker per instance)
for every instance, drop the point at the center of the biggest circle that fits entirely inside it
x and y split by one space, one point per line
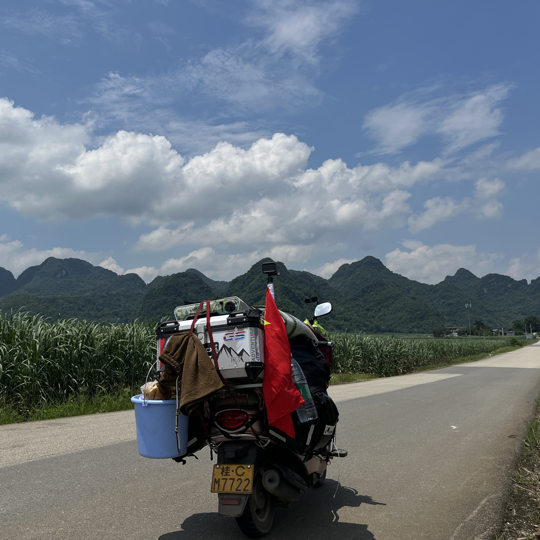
280 393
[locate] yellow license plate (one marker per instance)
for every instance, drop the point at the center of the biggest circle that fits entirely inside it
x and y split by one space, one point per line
232 479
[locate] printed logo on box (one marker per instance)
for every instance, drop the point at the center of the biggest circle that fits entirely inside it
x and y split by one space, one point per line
234 336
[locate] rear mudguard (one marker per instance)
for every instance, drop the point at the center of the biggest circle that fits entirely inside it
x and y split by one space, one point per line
273 456
231 510
237 452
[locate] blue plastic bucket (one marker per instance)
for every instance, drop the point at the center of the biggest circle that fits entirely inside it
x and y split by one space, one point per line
156 423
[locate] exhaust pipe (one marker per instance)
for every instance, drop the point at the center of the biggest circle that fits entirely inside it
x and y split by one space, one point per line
284 483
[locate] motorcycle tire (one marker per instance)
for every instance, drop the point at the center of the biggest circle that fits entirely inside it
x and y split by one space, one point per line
258 516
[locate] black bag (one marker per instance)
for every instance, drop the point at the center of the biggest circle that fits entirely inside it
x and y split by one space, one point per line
326 423
312 362
196 437
317 434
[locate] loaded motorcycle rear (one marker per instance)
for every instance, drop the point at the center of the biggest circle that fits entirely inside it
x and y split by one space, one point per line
271 423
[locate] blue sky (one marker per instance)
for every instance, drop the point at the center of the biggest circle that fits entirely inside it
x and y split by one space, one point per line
154 136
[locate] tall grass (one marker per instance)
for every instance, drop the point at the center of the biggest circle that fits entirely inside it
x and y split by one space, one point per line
386 356
43 363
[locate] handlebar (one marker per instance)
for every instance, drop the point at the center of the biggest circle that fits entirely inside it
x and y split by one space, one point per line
327 343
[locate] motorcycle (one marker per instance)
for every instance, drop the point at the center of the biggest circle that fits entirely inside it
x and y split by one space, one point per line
258 467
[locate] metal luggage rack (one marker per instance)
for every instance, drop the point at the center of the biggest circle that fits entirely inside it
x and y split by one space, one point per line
253 381
249 385
231 305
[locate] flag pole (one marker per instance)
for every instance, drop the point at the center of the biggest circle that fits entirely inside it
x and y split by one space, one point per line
271 287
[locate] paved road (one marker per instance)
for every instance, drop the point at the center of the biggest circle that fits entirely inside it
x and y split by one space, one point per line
429 456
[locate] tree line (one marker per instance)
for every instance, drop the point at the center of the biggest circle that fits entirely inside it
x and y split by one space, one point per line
521 327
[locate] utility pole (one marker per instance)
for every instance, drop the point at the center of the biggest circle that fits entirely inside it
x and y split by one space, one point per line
468 307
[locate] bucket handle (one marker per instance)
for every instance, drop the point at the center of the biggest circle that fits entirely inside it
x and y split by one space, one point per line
178 441
145 401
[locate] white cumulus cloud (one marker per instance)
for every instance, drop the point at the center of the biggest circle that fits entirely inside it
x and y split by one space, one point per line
431 264
225 266
527 162
215 265
329 269
525 267
16 259
487 189
483 206
437 209
262 199
474 118
460 120
111 264
298 27
146 273
277 201
397 126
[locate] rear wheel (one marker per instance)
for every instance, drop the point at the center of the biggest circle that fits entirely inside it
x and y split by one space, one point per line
258 516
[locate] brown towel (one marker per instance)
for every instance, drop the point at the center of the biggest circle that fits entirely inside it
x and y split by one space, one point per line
189 360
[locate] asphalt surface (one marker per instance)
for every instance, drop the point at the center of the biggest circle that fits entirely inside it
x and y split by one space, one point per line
429 458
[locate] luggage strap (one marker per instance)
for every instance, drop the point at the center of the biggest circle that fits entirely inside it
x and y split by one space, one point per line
212 344
209 328
214 357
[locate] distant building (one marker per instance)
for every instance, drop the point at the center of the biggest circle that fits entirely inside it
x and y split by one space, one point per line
503 332
453 330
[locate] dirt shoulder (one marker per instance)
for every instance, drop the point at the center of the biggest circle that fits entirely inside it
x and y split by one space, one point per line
521 519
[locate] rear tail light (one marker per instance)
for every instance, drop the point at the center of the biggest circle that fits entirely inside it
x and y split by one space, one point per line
232 419
234 502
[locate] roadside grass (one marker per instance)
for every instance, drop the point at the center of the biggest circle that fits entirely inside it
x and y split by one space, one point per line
532 433
465 359
77 406
387 356
521 519
119 399
343 378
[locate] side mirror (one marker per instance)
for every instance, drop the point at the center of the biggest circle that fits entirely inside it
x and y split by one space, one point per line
323 309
